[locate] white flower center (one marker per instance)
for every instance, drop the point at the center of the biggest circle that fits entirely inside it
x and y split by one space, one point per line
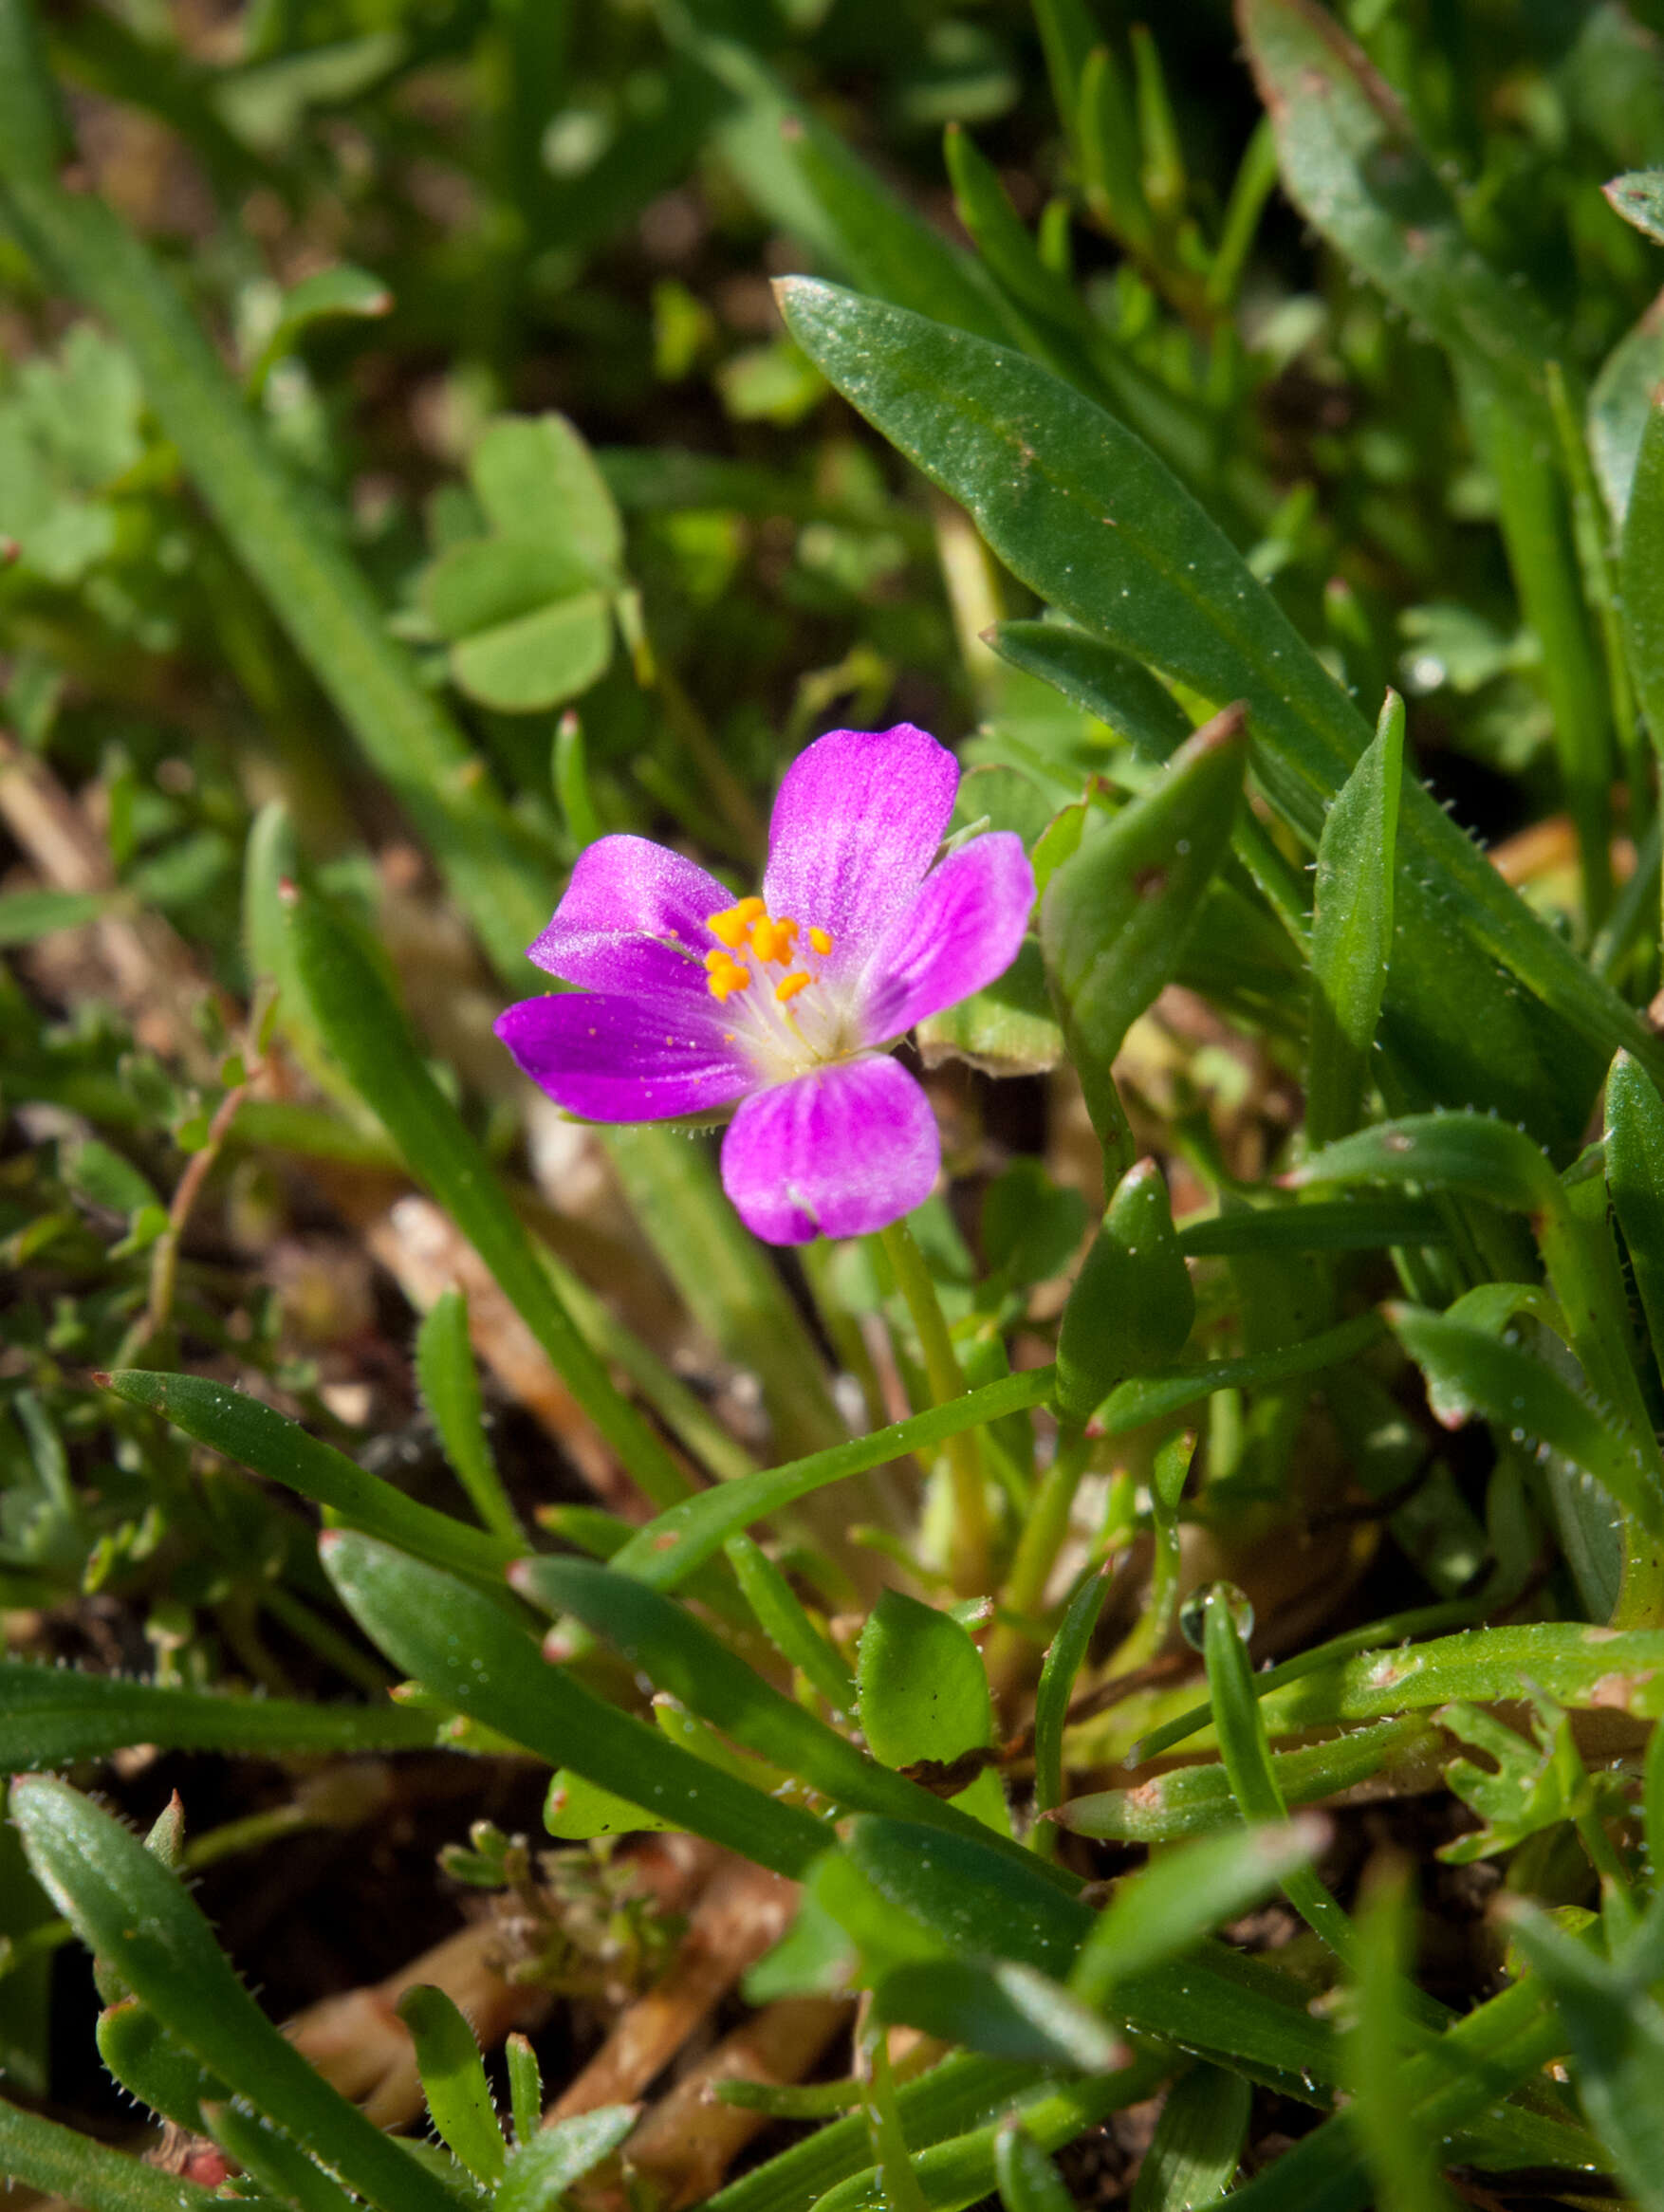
769 976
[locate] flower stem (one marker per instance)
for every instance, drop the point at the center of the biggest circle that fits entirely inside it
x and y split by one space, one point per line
941 1366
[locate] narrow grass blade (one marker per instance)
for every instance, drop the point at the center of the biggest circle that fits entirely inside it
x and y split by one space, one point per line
668 1550
139 1917
1198 2140
458 1644
367 1033
281 2167
544 2165
450 1388
1063 1660
1635 1176
273 1445
780 1617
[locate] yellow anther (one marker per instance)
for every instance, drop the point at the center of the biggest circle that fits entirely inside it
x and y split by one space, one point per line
790 985
725 981
787 925
770 940
717 957
822 941
730 926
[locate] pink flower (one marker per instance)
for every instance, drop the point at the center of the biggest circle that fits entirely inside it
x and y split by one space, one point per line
783 1006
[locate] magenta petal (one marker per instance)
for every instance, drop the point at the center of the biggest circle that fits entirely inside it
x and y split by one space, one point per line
962 929
622 1060
856 825
848 1149
632 919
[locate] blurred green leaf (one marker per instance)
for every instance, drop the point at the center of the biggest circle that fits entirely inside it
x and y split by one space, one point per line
1638 197
1620 399
1635 1176
62 2163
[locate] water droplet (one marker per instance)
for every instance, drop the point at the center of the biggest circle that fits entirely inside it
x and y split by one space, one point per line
1192 1617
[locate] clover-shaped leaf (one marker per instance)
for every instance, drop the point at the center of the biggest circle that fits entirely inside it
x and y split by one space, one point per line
527 610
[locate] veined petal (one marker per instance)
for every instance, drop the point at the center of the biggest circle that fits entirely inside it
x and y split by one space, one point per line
843 1149
612 1059
855 826
962 929
632 919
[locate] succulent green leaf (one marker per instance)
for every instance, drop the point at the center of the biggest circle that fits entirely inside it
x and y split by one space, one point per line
1118 690
922 1689
61 2162
139 1918
454 2081
153 2065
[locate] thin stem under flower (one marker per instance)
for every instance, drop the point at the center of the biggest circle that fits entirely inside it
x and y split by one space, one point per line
968 1552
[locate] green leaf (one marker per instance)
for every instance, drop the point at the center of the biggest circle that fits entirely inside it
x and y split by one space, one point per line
1132 1304
1063 1660
681 1657
247 1431
1114 918
542 2169
282 2167
368 1034
1083 513
1620 399
1635 1176
450 1386
1616 2037
1028 2182
157 2069
52 1715
538 480
139 1918
1468 1154
1638 197
1006 1029
576 1810
1342 1226
482 582
1239 1717
458 1644
537 660
328 295
1141 1399
1197 1800
1198 2142
1472 1372
61 2161
28 916
1576 1664
453 2082
1640 572
780 1617
922 1689
1006 2009
1117 690
1352 932
1403 2164
669 1549
525 2086
1165 1911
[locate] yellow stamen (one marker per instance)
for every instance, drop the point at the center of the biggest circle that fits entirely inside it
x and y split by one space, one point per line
771 940
822 941
790 985
717 957
728 980
787 926
730 926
